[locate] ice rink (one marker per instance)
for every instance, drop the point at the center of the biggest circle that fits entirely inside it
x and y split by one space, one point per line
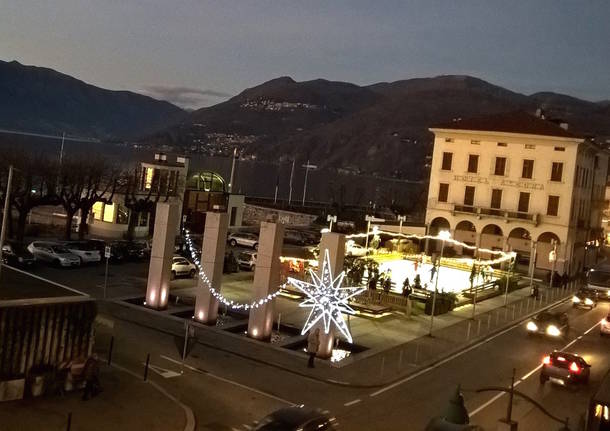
450 279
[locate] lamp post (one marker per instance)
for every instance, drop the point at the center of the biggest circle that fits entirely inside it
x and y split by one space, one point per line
443 235
553 259
533 264
510 266
232 177
290 186
331 219
7 209
307 168
401 219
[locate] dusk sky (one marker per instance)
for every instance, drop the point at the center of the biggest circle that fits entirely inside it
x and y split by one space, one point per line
197 53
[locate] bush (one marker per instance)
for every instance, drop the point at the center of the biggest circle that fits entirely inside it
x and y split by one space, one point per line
500 283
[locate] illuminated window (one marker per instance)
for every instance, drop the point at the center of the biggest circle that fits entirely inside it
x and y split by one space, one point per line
148 179
109 210
97 210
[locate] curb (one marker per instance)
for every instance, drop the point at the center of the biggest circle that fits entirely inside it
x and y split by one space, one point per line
188 412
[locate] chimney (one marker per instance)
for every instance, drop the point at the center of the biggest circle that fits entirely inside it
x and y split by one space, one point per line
563 125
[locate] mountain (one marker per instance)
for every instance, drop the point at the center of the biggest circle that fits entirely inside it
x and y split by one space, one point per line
37 99
380 128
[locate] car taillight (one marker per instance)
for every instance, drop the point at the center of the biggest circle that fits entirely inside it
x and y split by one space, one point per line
574 367
546 360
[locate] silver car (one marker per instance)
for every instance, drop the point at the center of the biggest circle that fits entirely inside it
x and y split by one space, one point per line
54 253
243 239
182 267
247 259
85 252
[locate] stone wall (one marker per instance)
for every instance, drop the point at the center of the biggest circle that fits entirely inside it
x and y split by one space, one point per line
254 214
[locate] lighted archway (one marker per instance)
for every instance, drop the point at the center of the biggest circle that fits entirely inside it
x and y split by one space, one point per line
519 239
207 181
492 237
548 237
466 232
439 224
544 247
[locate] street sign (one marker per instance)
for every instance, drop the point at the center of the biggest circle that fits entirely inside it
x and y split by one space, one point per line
107 252
374 219
332 218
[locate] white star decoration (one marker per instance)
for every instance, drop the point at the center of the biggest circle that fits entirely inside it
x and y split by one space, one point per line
326 298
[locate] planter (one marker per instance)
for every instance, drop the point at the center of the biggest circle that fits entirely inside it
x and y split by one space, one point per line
443 305
11 390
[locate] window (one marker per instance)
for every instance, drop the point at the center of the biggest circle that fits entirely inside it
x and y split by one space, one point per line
122 215
496 198
502 144
98 210
148 178
530 147
143 219
473 163
109 213
556 171
553 206
500 166
524 202
469 196
448 139
560 148
473 142
443 192
528 169
447 159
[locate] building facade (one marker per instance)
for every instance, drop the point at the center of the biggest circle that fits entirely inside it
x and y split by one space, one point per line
521 183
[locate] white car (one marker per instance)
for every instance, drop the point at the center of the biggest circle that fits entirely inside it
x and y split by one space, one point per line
604 326
181 267
243 239
54 253
247 259
87 254
353 249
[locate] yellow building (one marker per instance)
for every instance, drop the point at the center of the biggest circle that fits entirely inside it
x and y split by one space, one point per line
518 182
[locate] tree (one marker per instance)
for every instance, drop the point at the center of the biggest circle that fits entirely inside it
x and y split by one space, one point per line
83 182
34 180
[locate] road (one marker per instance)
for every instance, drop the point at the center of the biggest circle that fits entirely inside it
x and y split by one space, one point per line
228 392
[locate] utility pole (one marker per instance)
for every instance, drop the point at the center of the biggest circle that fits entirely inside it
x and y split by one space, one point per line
7 209
307 168
291 177
553 259
232 170
401 219
443 235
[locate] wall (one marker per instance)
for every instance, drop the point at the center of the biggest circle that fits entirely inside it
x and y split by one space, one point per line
254 214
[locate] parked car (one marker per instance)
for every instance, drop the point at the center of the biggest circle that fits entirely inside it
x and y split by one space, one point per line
353 249
564 368
54 253
182 267
243 239
296 418
294 237
550 324
15 254
132 250
604 326
86 252
247 259
585 298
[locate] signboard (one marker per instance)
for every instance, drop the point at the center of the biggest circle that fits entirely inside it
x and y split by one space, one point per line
107 252
552 256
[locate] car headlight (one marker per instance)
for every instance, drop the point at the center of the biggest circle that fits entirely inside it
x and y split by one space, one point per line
553 331
588 301
531 326
575 299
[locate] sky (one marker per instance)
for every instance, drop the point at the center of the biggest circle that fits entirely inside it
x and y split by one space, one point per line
197 53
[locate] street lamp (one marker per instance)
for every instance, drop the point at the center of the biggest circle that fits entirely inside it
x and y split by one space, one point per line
331 219
307 168
443 236
553 259
401 219
7 209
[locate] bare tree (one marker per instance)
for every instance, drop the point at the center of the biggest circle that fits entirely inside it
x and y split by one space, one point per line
83 182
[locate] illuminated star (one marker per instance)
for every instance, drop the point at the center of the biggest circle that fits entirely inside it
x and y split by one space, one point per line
327 299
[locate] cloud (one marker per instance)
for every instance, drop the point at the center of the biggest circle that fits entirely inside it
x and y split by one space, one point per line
185 97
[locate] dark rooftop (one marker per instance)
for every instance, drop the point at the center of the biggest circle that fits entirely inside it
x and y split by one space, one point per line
510 122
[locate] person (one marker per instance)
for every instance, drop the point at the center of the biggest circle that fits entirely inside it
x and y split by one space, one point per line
387 284
313 343
372 282
415 264
92 380
406 288
432 273
535 292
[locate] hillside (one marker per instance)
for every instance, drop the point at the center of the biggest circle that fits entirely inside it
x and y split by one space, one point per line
380 128
43 100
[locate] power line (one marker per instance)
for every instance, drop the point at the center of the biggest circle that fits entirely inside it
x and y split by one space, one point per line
58 137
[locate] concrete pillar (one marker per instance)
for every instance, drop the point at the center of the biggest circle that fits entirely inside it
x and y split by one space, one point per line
212 260
335 244
266 279
167 217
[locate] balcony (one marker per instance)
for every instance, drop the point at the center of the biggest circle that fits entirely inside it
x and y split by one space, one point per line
482 212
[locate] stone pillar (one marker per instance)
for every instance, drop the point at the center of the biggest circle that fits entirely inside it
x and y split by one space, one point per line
266 279
167 217
335 244
212 260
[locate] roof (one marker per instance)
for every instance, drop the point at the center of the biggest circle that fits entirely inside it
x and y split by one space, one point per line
510 122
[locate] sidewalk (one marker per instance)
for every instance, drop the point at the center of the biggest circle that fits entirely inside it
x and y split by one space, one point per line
125 404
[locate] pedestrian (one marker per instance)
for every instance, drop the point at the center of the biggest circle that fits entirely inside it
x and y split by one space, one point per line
415 264
372 282
432 273
387 284
406 288
313 343
92 381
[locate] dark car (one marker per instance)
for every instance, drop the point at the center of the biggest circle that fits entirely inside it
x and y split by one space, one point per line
117 254
585 298
294 237
132 250
297 418
15 254
549 324
564 368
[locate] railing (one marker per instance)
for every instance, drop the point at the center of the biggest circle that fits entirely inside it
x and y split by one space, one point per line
496 213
